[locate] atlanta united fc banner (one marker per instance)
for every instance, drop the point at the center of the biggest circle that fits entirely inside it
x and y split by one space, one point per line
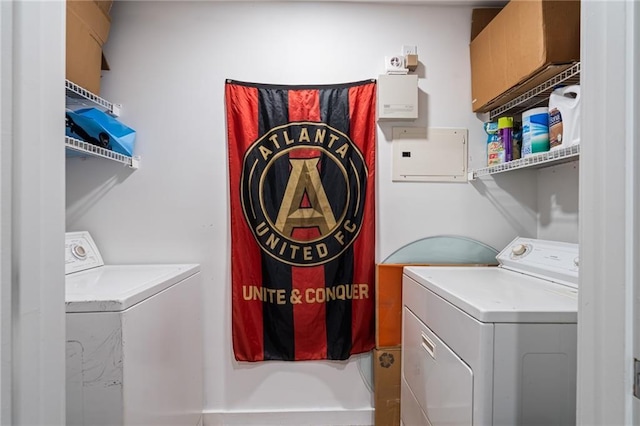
301 166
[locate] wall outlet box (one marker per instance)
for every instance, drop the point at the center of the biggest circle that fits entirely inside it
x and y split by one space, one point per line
408 49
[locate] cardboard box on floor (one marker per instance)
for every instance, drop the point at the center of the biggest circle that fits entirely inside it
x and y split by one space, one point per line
389 302
386 378
388 305
87 30
524 45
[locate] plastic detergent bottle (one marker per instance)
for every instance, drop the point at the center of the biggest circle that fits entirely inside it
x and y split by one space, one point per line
495 150
535 131
517 141
505 129
564 117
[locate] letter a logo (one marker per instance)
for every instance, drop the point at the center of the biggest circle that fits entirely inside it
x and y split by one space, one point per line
294 211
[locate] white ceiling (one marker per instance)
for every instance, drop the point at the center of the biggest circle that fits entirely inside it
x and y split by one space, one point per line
473 3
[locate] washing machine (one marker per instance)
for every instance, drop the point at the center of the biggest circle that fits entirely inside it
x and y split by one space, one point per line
133 340
492 345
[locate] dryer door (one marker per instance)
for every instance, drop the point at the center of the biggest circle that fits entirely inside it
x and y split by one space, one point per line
440 381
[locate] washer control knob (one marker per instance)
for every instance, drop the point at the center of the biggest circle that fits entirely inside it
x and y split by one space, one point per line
519 249
79 252
576 261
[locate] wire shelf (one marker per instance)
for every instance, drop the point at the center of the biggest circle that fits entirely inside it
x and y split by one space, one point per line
529 99
543 159
82 147
538 94
78 97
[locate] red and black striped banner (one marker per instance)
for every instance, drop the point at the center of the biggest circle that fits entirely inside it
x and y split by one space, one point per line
301 170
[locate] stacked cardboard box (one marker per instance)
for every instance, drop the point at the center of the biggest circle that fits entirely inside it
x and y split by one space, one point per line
88 25
525 44
480 18
386 376
387 362
388 353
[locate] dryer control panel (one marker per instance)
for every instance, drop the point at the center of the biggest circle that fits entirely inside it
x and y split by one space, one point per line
552 260
80 252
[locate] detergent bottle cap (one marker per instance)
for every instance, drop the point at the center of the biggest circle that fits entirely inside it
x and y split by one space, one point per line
505 122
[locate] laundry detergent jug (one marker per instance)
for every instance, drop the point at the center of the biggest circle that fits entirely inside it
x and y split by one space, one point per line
564 117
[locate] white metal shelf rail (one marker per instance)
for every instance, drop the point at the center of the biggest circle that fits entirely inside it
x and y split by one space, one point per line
543 159
93 150
79 94
573 71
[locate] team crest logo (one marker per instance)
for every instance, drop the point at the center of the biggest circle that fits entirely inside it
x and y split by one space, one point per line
303 190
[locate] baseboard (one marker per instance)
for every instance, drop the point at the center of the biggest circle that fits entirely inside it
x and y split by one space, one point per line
363 417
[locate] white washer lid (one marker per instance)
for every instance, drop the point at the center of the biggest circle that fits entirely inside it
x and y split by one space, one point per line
114 288
495 294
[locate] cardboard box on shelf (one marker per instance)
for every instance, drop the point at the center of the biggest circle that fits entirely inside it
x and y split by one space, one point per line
526 43
87 30
386 378
105 5
480 18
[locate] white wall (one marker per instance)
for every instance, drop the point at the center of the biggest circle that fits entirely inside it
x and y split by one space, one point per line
169 62
558 202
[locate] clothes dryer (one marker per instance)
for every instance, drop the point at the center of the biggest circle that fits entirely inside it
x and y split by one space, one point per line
134 340
492 345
